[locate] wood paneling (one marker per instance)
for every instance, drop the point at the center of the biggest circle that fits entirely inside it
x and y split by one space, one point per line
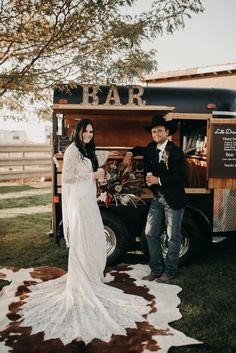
221 183
116 130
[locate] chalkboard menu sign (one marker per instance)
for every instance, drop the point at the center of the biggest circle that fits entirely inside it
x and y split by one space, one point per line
223 151
63 143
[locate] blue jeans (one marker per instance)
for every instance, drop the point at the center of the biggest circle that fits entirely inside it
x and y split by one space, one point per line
162 217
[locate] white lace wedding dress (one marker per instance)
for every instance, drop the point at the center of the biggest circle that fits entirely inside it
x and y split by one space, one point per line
79 305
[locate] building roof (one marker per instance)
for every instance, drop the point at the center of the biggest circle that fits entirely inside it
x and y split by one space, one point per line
196 72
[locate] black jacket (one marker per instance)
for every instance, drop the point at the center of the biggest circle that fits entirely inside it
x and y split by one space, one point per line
172 172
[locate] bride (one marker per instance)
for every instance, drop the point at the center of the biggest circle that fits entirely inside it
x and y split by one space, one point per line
79 305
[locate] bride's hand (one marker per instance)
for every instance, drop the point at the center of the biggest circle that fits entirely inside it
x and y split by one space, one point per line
99 174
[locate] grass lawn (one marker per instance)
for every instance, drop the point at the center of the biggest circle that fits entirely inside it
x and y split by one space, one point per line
37 200
25 243
208 302
14 188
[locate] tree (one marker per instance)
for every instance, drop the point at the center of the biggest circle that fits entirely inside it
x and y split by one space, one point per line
47 42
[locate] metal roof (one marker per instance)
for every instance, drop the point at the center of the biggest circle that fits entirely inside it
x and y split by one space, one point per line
196 72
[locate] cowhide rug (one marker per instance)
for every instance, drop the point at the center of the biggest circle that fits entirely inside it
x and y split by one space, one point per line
154 336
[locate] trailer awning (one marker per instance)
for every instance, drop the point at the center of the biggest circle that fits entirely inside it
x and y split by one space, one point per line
108 109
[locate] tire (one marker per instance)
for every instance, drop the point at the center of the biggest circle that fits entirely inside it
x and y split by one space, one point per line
116 237
191 241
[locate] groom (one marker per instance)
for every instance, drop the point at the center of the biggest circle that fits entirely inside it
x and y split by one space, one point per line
165 164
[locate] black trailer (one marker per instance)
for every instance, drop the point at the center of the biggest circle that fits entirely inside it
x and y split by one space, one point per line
206 133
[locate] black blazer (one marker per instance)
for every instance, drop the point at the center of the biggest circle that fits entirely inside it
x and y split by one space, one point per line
172 174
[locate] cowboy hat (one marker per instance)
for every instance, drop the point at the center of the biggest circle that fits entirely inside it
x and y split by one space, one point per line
158 120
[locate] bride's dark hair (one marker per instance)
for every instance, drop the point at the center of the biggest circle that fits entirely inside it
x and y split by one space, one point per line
88 149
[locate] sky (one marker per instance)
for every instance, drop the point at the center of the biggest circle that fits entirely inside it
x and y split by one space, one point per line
208 39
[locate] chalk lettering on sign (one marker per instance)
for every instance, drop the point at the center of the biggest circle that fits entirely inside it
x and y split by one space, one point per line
223 147
219 131
230 131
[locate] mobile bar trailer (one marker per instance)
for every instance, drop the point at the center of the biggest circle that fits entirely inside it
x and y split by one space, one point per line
206 132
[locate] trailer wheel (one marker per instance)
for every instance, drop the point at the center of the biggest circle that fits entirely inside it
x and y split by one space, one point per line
116 237
144 246
190 242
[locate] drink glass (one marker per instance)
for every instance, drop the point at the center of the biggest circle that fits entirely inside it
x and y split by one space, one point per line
148 175
102 180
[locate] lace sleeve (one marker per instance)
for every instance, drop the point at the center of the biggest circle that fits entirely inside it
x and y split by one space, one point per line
102 157
73 172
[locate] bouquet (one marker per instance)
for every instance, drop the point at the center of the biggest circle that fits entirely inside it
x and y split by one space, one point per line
122 186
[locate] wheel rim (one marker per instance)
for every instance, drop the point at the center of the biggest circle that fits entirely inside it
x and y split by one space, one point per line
184 243
110 240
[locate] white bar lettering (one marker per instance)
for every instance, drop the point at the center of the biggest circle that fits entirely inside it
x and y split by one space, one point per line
90 94
113 96
136 96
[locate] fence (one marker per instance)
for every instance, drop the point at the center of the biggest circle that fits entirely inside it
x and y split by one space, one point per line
25 161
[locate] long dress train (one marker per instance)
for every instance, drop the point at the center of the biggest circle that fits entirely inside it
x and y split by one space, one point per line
79 305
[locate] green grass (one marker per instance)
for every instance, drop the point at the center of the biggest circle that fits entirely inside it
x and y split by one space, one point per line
29 201
25 243
208 302
14 188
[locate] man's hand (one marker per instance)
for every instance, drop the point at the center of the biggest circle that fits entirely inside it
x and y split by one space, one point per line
152 180
127 159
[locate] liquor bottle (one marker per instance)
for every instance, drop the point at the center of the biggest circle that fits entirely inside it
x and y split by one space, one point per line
198 146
